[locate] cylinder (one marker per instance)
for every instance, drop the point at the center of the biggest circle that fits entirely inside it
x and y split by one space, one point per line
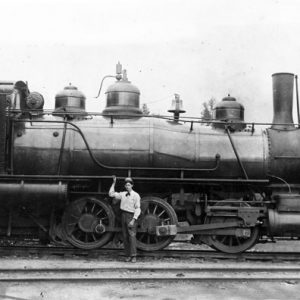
287 202
284 223
283 85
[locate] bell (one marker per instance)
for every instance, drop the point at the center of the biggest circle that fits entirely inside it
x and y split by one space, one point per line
176 107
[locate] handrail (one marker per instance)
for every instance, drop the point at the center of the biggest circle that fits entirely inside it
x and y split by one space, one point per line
164 117
159 179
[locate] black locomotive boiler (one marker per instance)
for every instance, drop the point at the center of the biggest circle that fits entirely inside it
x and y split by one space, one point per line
229 183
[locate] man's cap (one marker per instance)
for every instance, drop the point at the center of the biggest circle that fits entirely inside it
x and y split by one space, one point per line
128 179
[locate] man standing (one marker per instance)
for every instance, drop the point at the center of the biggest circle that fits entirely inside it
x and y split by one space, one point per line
131 208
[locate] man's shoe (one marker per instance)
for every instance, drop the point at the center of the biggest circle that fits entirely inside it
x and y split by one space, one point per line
133 259
128 259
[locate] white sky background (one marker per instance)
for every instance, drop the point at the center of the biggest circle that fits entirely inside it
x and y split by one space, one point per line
196 48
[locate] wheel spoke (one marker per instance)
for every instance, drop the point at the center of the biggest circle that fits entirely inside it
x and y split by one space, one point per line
155 208
79 208
72 224
161 213
74 216
142 236
99 212
223 239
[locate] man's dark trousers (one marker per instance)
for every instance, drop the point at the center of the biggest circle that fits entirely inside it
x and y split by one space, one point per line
129 233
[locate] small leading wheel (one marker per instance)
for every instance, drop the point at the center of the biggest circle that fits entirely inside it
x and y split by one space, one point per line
84 223
57 235
56 232
155 212
230 243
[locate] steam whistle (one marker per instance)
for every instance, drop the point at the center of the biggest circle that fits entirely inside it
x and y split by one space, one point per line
118 71
118 76
176 108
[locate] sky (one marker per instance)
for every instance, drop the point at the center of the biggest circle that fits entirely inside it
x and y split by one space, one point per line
198 49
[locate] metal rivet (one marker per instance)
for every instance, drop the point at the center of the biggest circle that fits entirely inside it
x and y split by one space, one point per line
19 133
55 133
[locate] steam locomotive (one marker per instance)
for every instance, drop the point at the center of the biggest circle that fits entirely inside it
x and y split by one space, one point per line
228 183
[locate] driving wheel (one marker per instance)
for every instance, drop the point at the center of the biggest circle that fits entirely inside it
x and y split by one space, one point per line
155 212
230 243
85 222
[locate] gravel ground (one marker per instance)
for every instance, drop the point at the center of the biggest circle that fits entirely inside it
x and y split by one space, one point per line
150 289
143 289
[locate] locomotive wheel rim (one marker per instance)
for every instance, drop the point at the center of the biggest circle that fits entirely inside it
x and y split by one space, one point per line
232 244
78 234
155 211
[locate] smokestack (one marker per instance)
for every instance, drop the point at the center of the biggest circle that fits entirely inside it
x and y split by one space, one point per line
283 86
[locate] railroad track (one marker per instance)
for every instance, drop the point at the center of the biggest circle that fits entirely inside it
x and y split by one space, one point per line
144 273
112 253
109 267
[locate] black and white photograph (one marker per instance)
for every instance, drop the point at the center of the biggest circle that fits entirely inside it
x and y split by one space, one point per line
149 150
